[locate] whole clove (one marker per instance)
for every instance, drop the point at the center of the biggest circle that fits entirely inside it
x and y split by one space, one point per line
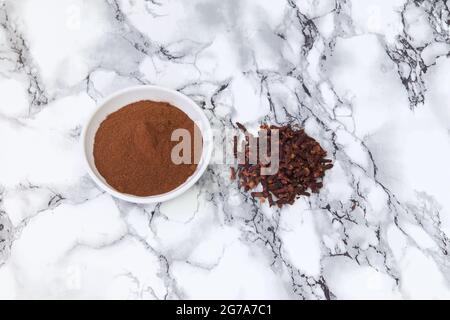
302 166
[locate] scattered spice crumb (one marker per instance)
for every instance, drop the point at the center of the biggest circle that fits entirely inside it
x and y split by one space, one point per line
233 174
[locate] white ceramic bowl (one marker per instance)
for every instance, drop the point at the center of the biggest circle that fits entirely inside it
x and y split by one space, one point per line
134 94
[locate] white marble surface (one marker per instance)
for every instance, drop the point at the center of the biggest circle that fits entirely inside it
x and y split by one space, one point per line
368 79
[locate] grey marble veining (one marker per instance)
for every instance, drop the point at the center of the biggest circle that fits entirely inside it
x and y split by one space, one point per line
368 79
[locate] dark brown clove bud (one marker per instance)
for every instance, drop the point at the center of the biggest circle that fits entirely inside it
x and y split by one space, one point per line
301 168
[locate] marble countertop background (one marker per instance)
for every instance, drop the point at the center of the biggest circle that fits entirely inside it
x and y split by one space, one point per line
368 79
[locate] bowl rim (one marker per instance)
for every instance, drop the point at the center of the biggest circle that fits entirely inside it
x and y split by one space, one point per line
206 152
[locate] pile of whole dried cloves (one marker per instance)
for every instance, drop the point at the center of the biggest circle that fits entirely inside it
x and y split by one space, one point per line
302 165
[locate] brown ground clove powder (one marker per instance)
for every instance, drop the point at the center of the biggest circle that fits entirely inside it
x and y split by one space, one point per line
133 146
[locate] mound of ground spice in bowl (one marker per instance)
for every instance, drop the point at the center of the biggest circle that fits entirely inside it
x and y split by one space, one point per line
133 147
302 166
